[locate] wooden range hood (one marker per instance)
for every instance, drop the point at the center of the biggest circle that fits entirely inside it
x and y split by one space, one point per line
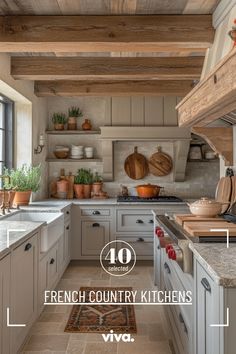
213 98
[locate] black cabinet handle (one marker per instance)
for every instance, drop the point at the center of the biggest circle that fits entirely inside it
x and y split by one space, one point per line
68 228
167 268
151 221
140 239
181 320
28 246
96 212
95 224
67 212
139 221
52 261
205 283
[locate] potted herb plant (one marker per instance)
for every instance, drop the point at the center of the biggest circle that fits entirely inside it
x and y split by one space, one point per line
59 120
24 181
83 183
74 113
97 184
88 181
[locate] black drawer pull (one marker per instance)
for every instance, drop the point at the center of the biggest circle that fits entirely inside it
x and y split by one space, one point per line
167 268
67 212
181 320
52 261
96 212
68 228
95 224
28 246
139 221
140 239
151 221
205 283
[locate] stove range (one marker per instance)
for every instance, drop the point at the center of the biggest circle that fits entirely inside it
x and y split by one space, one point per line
159 199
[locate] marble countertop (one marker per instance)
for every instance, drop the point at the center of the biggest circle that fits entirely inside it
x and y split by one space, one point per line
22 231
218 260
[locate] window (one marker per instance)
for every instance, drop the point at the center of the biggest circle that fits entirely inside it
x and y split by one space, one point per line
6 133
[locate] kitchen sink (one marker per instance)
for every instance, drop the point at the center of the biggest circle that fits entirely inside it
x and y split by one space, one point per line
50 232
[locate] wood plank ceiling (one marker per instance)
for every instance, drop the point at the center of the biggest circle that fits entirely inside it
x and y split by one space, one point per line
148 47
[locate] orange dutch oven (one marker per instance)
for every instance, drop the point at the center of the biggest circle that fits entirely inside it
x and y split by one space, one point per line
148 190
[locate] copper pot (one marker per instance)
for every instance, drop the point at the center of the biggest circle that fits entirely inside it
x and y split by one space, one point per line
148 190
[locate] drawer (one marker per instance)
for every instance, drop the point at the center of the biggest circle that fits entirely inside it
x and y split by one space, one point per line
143 245
95 212
134 221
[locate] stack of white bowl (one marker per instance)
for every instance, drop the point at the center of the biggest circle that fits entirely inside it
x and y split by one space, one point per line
88 152
77 152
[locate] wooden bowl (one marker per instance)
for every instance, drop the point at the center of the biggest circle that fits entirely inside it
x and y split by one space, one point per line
61 154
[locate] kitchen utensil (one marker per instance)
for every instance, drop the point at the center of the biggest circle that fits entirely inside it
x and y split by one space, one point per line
205 207
136 166
88 152
160 164
233 193
70 178
61 154
148 190
223 192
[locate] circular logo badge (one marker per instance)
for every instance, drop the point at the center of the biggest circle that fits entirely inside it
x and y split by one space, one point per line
118 258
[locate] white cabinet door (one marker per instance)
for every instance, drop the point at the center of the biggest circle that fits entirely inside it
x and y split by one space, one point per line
207 313
23 309
4 303
95 235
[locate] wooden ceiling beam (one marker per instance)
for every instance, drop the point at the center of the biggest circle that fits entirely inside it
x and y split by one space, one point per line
112 88
147 33
53 68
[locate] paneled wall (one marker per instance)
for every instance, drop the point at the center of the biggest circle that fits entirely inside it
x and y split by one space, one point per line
142 111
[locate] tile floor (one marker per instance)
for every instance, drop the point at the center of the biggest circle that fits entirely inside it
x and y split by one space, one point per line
47 335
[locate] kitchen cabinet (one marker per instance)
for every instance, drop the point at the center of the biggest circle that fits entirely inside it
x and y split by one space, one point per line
23 307
91 228
95 235
134 220
4 303
208 311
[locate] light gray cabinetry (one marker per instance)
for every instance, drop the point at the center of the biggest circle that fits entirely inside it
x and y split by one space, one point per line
23 309
208 297
92 228
4 304
95 234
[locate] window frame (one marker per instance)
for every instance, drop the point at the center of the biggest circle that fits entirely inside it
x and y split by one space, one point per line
8 131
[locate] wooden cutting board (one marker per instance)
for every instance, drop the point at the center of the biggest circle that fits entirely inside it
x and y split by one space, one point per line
136 165
160 164
233 193
181 219
70 178
203 229
224 191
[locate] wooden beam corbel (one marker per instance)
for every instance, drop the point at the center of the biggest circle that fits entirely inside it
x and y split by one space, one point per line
220 140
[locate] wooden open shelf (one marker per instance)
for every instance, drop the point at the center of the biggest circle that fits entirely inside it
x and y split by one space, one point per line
72 132
53 159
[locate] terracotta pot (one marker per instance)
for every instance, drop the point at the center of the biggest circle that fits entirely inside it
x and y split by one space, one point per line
11 196
22 198
59 126
206 207
97 188
79 191
87 125
148 190
72 123
87 191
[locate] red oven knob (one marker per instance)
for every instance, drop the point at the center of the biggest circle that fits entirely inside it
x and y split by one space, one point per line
168 247
172 254
159 232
